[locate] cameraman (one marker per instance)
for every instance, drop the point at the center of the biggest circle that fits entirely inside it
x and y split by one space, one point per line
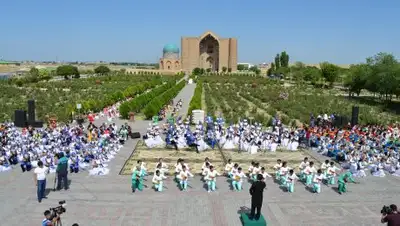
393 218
48 221
62 171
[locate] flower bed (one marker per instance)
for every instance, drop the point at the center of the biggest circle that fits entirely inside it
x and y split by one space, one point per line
266 98
60 97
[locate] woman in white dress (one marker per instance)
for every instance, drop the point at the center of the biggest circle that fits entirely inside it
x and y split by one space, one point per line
98 169
274 143
357 169
285 140
397 171
265 143
294 143
229 145
253 146
201 144
379 172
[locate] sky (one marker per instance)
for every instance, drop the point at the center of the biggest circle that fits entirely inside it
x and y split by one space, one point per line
311 31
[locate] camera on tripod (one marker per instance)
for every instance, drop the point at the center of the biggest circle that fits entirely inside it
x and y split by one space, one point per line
386 210
56 211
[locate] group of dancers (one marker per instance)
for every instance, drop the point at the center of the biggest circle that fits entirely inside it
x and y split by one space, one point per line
87 149
312 177
360 148
243 136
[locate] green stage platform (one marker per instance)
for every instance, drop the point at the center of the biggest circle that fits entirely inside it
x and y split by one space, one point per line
247 222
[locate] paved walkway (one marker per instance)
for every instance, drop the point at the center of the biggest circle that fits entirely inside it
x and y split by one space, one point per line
108 200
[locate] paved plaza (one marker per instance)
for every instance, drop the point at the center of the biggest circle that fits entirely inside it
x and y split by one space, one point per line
108 200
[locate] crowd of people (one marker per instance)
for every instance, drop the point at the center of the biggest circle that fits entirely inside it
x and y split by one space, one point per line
360 148
87 149
243 136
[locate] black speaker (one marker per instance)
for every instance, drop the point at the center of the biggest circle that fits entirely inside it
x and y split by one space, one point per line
20 118
135 135
354 115
31 111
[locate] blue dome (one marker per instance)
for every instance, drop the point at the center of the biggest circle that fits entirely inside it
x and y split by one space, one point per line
170 48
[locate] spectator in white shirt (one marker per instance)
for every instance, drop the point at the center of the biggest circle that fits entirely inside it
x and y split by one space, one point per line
40 180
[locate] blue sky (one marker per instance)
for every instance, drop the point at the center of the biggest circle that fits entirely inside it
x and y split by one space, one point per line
310 31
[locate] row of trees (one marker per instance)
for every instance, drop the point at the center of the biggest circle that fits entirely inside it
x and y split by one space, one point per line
138 103
280 65
380 74
155 105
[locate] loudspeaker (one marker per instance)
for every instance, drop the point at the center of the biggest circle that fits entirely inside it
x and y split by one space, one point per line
354 115
135 135
340 121
31 111
20 118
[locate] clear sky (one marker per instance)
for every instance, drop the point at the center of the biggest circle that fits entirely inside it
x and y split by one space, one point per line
311 31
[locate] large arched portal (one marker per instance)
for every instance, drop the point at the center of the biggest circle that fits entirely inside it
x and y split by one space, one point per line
209 53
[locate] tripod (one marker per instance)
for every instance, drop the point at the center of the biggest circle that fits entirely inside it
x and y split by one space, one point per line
58 222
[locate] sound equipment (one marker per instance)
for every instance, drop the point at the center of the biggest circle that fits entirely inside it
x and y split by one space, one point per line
31 111
246 221
135 135
340 121
20 118
36 124
354 115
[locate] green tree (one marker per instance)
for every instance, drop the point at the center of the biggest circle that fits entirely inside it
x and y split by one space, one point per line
312 74
68 70
102 70
196 71
224 69
255 69
242 67
273 67
208 70
277 61
34 72
356 78
284 59
385 75
330 72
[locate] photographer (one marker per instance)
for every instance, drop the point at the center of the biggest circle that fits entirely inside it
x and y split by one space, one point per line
48 221
390 215
62 171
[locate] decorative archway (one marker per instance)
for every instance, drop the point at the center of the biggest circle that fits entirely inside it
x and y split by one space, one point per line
168 65
209 52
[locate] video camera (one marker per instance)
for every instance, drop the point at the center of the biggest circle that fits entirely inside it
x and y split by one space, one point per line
56 211
386 210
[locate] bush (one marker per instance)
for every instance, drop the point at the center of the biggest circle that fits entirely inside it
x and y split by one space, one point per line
156 104
195 103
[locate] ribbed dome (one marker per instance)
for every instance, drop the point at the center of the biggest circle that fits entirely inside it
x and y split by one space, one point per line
170 48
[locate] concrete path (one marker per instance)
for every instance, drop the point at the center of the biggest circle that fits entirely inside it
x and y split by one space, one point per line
108 200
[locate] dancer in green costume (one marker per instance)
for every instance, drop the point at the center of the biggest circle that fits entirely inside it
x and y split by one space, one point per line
137 179
342 181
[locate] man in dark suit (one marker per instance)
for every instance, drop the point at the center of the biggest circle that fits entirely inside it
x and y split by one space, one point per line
256 192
